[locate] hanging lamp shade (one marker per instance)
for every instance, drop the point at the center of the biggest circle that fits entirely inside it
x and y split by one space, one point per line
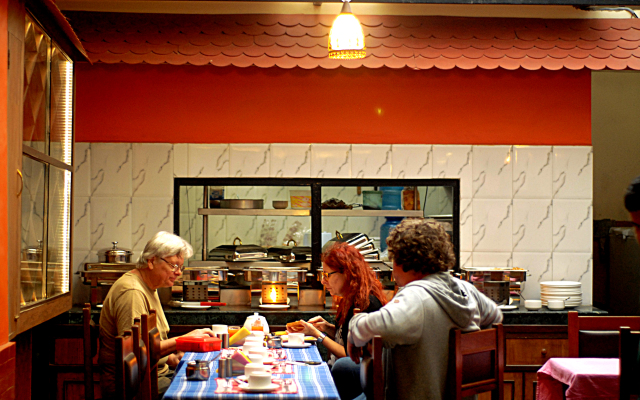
346 38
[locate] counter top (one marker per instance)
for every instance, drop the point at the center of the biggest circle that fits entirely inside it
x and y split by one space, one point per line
236 315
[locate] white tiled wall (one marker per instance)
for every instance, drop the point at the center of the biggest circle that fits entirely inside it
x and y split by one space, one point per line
521 206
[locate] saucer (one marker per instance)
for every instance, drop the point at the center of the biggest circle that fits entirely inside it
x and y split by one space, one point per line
506 307
296 346
270 388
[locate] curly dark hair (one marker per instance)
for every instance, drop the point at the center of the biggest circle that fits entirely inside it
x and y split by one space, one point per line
360 282
632 197
421 245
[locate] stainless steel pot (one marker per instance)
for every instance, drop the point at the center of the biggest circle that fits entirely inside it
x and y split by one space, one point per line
33 254
114 255
242 203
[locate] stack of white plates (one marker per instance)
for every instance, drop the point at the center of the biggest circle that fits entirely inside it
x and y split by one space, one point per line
570 292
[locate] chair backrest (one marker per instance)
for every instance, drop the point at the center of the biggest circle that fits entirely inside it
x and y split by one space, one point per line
597 336
476 363
629 370
90 349
151 339
140 350
127 371
372 371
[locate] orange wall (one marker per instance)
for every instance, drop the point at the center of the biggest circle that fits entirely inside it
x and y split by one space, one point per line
4 261
189 104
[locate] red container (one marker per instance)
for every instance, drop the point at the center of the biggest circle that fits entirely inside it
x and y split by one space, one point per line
196 344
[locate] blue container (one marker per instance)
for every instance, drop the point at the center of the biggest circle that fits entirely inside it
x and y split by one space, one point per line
387 227
391 197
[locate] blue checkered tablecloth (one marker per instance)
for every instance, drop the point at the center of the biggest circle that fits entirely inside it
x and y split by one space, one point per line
314 382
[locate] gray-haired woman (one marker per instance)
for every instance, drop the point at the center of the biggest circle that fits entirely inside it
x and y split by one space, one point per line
134 294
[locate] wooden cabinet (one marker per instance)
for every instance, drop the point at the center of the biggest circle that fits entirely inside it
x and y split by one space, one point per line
527 348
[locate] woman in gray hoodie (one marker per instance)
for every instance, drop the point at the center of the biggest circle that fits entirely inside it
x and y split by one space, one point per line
415 324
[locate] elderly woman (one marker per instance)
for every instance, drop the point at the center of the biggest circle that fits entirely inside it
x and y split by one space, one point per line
134 294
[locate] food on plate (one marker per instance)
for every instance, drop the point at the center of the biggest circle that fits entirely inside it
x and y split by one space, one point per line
295 326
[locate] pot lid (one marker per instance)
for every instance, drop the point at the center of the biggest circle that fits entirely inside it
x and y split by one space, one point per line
114 251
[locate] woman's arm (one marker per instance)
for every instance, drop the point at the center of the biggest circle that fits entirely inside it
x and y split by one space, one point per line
328 342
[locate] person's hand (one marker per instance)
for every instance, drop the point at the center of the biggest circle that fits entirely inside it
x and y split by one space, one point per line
201 332
320 324
354 352
174 359
306 328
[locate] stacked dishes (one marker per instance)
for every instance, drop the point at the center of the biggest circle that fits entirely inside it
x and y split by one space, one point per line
570 292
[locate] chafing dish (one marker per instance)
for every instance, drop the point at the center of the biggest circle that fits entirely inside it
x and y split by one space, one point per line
237 252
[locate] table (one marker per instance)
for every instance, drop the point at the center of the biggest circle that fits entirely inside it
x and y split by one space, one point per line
314 382
583 378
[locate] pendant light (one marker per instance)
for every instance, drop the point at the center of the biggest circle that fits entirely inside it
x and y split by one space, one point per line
346 38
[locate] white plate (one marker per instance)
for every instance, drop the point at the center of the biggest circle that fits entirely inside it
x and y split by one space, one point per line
245 387
195 307
565 284
506 307
274 306
296 346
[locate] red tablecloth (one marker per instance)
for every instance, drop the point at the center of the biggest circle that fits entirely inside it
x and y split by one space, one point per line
586 378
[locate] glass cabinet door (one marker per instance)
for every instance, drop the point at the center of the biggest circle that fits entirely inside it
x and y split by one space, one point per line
32 274
36 71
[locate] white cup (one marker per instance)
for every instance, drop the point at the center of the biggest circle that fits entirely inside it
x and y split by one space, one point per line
254 367
296 339
246 347
533 304
258 380
254 339
555 305
220 328
256 358
260 351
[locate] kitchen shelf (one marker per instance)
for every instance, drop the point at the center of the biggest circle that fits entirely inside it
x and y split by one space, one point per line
372 213
240 265
253 212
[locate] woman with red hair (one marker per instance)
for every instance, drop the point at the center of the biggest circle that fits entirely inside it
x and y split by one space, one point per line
346 274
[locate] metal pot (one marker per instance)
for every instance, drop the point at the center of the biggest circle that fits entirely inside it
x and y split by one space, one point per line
242 203
114 255
33 254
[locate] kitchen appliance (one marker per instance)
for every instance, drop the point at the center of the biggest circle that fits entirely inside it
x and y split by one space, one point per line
237 252
502 285
114 262
274 288
114 255
195 290
290 253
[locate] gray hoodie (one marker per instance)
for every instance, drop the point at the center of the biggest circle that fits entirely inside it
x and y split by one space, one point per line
415 327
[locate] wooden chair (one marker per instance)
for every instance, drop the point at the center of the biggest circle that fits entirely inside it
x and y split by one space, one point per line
476 363
597 337
151 339
372 372
91 333
629 370
127 369
141 353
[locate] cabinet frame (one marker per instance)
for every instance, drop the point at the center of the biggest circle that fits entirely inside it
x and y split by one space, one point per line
23 318
316 184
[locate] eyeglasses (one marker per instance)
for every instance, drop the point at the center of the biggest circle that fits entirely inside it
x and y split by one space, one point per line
174 267
326 275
